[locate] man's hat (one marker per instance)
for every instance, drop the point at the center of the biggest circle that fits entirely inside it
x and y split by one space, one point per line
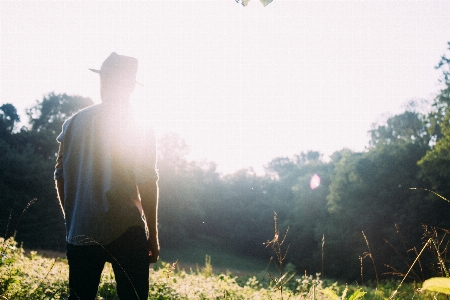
119 67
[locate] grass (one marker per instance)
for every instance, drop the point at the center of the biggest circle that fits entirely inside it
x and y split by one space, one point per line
32 276
206 273
191 255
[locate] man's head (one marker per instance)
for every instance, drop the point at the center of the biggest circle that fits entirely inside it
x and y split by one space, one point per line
117 77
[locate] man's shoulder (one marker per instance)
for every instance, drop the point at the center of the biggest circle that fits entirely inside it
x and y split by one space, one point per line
89 110
85 112
81 114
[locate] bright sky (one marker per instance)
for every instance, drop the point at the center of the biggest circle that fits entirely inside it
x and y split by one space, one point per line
242 85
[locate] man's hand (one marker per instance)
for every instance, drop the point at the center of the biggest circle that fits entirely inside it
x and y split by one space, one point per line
153 252
149 200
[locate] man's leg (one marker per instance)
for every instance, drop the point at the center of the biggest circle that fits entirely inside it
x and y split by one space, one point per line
85 268
131 263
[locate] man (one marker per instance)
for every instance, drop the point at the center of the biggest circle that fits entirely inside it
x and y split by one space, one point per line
107 185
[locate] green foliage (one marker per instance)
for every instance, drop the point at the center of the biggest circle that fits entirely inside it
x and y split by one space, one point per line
9 274
405 128
437 160
32 276
370 192
437 284
50 113
358 294
8 119
208 269
307 284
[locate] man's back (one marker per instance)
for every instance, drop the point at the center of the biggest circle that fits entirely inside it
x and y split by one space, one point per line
99 145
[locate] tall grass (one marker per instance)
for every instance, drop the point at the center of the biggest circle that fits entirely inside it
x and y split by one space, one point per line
34 276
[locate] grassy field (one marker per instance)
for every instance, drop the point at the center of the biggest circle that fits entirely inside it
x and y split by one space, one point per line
190 255
32 275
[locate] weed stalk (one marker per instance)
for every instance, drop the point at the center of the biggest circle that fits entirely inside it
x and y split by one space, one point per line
369 254
323 254
277 246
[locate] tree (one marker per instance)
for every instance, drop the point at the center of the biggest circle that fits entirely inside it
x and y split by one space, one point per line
439 117
405 128
308 210
172 151
180 191
436 163
8 118
50 113
46 118
370 192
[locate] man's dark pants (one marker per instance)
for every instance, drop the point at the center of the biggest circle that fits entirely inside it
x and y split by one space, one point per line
129 258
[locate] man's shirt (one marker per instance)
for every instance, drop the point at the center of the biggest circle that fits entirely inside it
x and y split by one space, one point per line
103 155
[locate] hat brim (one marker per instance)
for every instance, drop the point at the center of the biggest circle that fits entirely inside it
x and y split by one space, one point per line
98 72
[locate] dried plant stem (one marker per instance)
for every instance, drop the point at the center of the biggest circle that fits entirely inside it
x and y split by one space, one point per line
442 197
395 271
441 261
361 269
277 247
412 265
323 254
371 257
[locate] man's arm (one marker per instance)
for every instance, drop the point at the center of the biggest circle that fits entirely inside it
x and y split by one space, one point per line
149 200
60 190
59 180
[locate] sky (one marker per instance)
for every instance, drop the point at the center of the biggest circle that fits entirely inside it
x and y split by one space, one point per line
241 85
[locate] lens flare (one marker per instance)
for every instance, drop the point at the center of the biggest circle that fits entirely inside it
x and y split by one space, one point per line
315 182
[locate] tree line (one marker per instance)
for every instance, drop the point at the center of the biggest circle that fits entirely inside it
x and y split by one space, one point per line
363 217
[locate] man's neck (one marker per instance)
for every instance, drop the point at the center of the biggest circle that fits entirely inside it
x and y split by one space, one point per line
115 99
